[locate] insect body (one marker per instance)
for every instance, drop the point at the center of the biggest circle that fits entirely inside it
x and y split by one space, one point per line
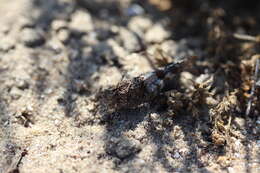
142 89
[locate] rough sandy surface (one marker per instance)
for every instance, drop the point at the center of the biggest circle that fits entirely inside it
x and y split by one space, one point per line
55 55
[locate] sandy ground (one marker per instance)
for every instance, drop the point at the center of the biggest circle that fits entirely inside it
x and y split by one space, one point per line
54 57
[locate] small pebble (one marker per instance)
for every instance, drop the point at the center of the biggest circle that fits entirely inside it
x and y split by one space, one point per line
258 121
139 24
58 25
130 40
237 143
6 44
4 29
231 170
48 91
237 155
177 155
15 93
57 122
114 140
126 148
203 78
134 10
258 143
24 22
186 79
63 35
154 116
91 107
29 108
81 22
240 122
32 37
258 83
156 34
140 161
22 84
6 123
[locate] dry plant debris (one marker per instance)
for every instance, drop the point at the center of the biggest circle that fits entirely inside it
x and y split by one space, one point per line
222 117
193 100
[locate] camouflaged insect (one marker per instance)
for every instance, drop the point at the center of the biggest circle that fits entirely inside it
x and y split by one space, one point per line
139 90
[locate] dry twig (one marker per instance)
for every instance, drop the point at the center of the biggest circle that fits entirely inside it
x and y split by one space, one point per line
253 88
246 37
13 168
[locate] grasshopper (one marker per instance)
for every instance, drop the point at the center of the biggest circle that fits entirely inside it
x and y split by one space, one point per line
142 89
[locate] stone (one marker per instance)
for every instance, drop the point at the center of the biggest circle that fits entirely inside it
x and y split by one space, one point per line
258 121
134 10
6 44
81 21
31 37
26 22
15 93
130 40
177 155
258 143
22 84
186 79
125 148
139 24
239 122
63 35
58 25
156 34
